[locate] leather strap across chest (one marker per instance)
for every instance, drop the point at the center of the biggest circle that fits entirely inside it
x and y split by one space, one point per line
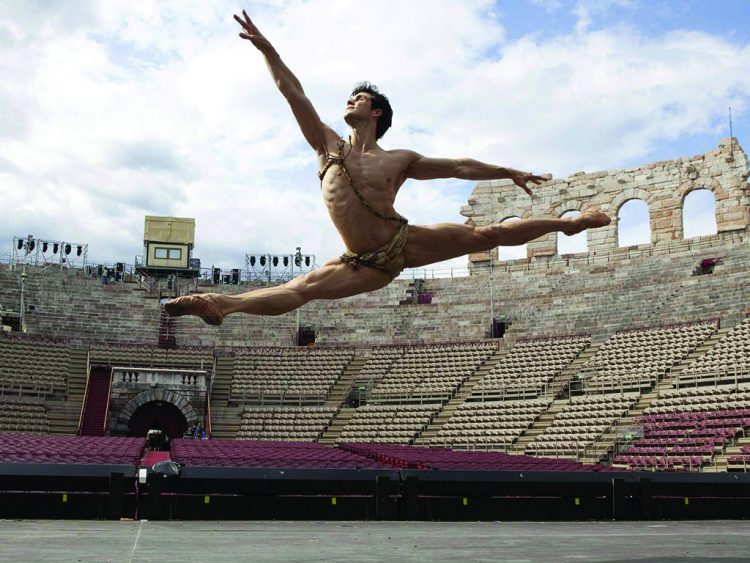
339 159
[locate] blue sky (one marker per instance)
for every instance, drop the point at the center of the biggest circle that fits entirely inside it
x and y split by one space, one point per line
115 110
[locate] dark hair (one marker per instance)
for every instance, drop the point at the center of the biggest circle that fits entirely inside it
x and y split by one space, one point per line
379 101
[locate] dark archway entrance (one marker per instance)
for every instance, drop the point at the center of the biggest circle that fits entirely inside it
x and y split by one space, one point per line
158 415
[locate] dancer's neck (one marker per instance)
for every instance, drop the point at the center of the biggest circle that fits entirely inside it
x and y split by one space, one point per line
363 138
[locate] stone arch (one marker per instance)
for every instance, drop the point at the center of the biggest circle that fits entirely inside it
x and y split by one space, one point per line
684 190
700 217
626 195
505 253
152 395
621 224
573 244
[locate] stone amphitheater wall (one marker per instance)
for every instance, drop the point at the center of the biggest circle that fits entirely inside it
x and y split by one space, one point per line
662 185
598 293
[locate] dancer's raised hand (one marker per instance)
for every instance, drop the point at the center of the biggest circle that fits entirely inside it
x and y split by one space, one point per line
521 179
251 33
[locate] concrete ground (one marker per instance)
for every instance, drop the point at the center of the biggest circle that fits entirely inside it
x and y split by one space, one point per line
58 540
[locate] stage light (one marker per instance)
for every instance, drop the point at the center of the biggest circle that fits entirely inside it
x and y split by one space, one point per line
275 261
67 249
45 246
286 261
55 248
262 261
307 261
252 261
20 244
79 250
298 257
31 245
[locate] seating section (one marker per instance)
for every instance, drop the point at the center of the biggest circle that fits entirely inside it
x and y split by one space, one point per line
410 457
247 453
299 424
388 424
490 424
728 360
696 399
637 359
33 367
282 375
431 372
580 423
15 448
529 367
378 364
137 355
685 440
20 416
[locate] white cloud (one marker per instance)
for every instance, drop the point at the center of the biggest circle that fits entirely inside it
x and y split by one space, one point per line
115 110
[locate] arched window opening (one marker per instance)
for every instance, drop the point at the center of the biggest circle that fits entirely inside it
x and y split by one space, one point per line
634 225
699 214
511 252
573 244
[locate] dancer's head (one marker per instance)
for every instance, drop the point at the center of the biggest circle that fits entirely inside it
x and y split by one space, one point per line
366 102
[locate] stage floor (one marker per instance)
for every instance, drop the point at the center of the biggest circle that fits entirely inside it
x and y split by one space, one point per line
56 540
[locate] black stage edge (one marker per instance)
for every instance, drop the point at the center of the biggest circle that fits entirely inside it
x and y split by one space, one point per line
231 493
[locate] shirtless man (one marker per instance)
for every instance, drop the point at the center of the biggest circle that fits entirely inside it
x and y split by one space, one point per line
359 181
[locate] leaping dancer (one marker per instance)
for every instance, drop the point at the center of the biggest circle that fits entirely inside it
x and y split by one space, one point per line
359 181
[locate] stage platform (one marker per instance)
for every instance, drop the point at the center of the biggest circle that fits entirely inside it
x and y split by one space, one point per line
55 541
241 493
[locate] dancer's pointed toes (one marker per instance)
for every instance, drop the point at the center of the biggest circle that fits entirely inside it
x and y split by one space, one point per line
203 306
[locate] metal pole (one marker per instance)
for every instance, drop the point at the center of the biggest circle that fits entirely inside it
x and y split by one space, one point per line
492 303
23 307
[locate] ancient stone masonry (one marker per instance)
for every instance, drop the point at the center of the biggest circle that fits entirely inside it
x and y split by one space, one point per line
662 185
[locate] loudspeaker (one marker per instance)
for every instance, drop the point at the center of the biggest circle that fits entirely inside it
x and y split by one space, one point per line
119 267
217 275
305 336
235 276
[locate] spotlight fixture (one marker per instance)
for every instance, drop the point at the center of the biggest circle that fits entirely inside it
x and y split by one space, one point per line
286 261
31 245
45 246
55 248
79 250
275 261
20 244
307 261
262 261
252 261
67 249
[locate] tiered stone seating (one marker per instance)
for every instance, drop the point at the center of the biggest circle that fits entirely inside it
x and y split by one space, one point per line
697 399
431 372
728 360
637 359
580 423
411 457
489 424
682 440
248 453
20 416
301 375
378 364
529 367
16 448
388 424
300 424
143 355
35 367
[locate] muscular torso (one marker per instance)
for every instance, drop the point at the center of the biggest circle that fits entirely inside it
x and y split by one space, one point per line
378 175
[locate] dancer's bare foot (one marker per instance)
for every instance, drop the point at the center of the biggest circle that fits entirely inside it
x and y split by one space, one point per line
589 219
205 306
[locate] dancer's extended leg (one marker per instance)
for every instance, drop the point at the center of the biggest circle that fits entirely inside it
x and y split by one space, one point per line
435 243
333 280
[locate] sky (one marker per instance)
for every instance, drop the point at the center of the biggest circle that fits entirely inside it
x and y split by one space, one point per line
110 111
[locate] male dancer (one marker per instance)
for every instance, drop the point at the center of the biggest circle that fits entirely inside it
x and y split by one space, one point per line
359 181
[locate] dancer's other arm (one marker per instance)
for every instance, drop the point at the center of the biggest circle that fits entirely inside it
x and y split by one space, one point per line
424 168
317 134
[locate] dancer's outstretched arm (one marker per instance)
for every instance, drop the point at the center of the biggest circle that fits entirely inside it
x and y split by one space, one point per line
317 134
424 168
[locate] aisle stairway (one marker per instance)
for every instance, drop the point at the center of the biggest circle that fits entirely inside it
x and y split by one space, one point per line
96 403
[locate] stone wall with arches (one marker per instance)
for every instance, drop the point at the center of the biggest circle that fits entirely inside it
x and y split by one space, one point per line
662 185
